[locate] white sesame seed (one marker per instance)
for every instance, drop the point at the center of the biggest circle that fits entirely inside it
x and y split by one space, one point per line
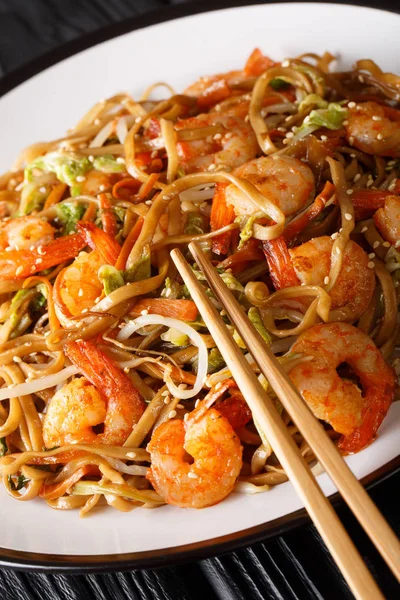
349 192
334 235
144 312
289 134
126 369
397 244
19 271
376 118
196 403
356 177
38 261
326 280
91 158
96 122
376 244
17 359
351 140
180 405
42 189
85 310
361 79
386 244
120 160
165 393
167 399
219 384
8 249
172 414
392 185
348 216
102 187
41 250
186 416
371 255
379 136
193 475
97 299
324 138
217 136
80 293
371 265
285 63
28 344
289 118
346 122
182 386
131 454
217 107
283 129
370 183
285 141
246 119
228 135
337 250
351 105
212 167
391 163
352 155
80 178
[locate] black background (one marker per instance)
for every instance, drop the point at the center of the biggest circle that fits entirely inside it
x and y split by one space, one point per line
292 566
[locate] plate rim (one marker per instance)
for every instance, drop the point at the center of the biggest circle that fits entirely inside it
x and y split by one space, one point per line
87 563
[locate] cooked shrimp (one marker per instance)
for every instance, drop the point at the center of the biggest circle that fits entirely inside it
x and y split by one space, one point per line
97 180
23 233
356 414
387 219
217 459
284 180
77 287
231 143
104 395
371 131
356 282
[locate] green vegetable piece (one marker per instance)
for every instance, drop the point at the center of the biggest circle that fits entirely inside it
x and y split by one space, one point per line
3 446
175 337
33 197
66 166
194 224
215 361
255 317
312 100
69 213
108 164
247 231
111 278
331 117
141 270
174 290
279 84
19 483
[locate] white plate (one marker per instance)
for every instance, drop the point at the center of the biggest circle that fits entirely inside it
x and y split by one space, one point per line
43 108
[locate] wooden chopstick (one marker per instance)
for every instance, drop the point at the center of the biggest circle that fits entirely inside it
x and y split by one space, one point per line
351 490
318 506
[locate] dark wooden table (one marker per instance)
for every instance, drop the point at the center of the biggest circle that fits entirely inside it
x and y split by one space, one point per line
292 566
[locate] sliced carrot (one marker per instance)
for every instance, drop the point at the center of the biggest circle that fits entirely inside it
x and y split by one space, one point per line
90 212
108 217
221 215
55 195
299 223
257 63
99 240
280 264
56 490
124 189
22 263
184 310
366 202
129 243
148 186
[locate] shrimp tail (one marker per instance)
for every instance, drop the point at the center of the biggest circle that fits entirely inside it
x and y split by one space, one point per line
221 215
22 263
106 376
280 263
99 240
373 413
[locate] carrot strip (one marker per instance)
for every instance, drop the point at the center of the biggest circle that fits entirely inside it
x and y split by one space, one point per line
297 225
99 240
184 310
56 490
55 195
108 217
221 215
53 320
128 244
257 63
90 212
129 184
148 186
280 264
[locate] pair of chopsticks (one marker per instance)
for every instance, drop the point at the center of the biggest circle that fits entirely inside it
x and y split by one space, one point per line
268 419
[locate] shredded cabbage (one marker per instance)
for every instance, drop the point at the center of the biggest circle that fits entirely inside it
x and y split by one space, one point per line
108 164
69 213
67 167
331 117
111 278
175 337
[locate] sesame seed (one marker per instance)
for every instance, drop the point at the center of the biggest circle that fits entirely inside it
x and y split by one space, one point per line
285 141
371 255
91 158
19 271
38 261
351 140
351 105
165 393
361 79
371 265
379 136
186 416
246 119
326 280
285 63
289 134
352 155
28 344
96 122
42 190
102 187
167 399
80 178
376 244
97 299
196 403
228 135
376 118
334 235
283 129
120 160
131 454
182 386
144 312
138 119
392 185
180 405
346 122
337 250
397 244
386 244
172 414
85 310
356 177
126 369
370 182
324 138
212 167
8 249
193 475
348 216
289 118
217 136
391 163
219 384
17 359
349 192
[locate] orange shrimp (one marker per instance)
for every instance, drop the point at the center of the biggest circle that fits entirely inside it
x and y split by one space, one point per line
387 219
356 414
370 130
105 395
